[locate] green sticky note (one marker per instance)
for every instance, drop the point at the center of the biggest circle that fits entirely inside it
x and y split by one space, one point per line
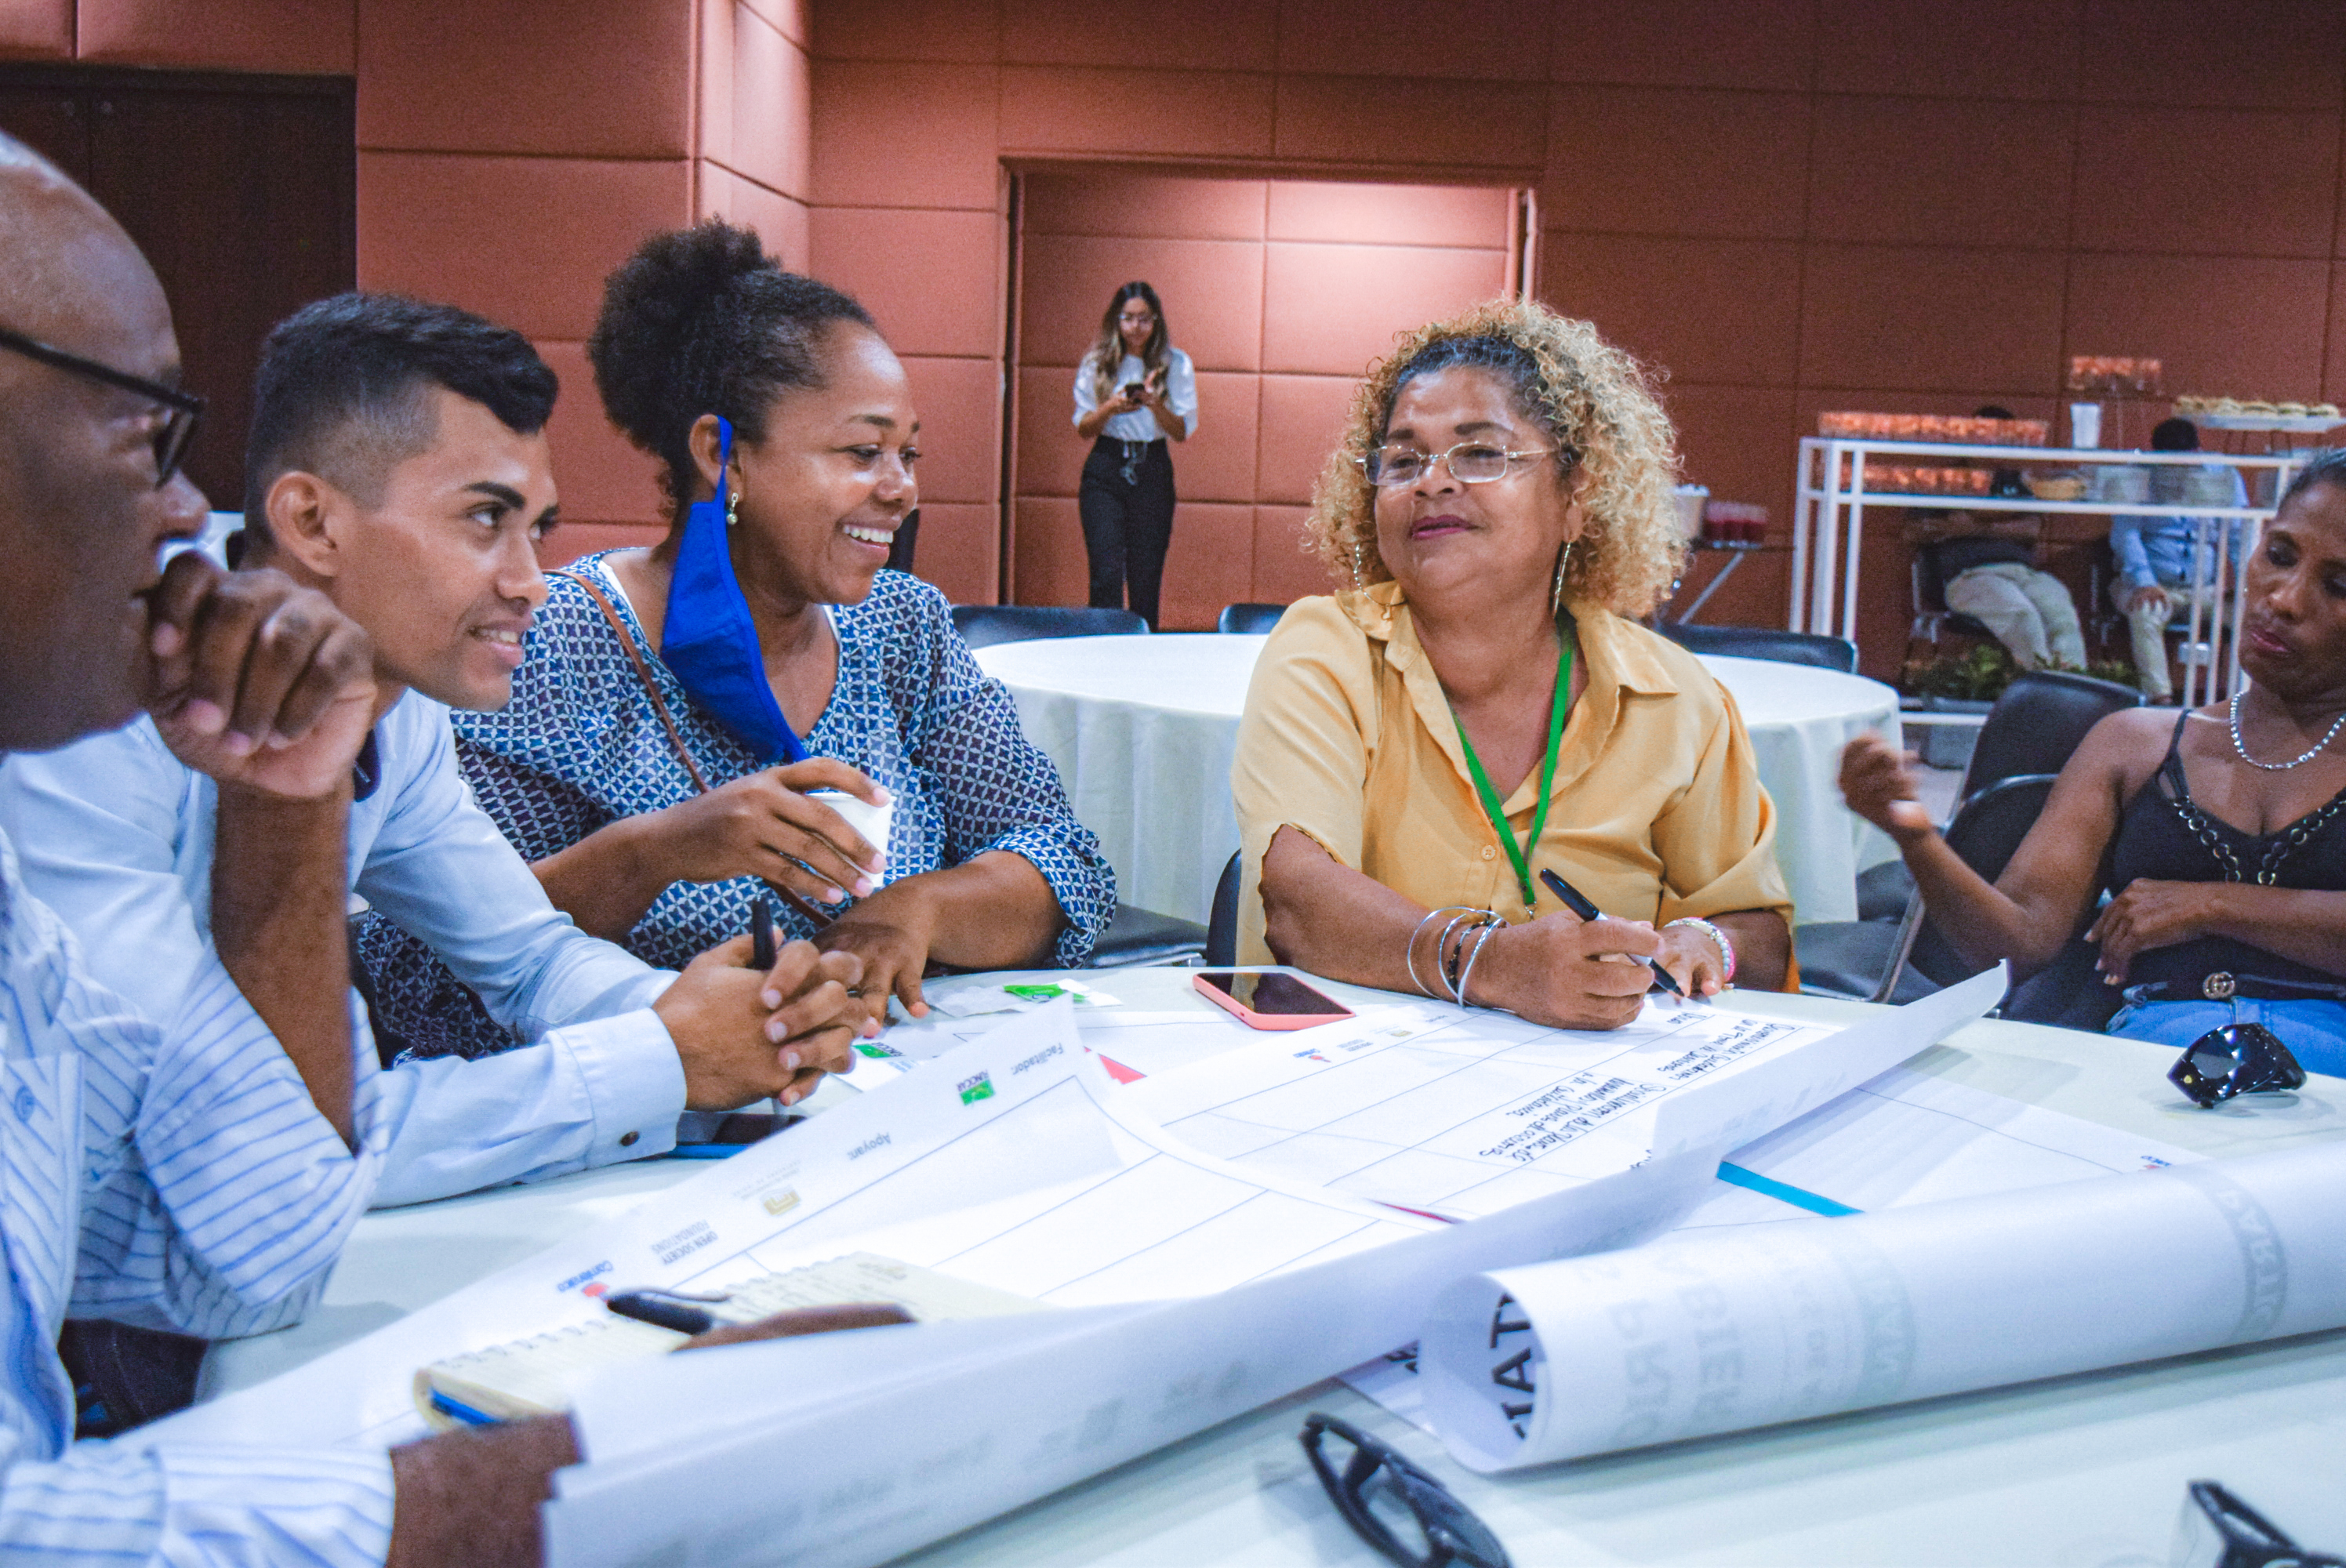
1041 990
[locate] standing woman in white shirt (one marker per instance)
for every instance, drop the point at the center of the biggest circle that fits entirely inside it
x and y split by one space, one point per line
1134 392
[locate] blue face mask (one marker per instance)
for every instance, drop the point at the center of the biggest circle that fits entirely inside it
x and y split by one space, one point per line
710 640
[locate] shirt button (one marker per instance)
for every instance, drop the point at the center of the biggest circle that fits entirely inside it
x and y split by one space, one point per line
628 1140
1489 853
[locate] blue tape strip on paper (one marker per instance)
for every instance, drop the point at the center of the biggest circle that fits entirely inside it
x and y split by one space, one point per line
1799 1198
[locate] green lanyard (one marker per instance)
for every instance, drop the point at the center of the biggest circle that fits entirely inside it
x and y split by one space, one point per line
1496 809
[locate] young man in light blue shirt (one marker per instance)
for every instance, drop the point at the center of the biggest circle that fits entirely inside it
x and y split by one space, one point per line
2157 570
398 465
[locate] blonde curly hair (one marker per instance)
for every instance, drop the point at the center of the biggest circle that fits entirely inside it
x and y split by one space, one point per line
1588 395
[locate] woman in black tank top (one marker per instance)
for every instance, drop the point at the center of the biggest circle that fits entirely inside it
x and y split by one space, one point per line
2223 830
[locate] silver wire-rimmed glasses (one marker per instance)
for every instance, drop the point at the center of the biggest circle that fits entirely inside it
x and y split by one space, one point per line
1469 462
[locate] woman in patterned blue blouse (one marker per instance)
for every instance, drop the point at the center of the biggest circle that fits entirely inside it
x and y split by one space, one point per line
654 798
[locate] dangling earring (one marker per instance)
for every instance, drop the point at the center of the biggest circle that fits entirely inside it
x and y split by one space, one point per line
732 506
1556 595
1360 577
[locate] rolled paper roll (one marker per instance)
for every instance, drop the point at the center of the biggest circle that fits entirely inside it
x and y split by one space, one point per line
1746 1327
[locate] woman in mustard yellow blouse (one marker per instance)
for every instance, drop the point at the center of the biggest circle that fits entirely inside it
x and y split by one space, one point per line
1477 708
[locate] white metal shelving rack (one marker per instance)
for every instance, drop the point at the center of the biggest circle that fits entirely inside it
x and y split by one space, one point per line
1829 528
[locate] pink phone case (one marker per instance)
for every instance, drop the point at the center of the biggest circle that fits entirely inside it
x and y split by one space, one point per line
1253 1020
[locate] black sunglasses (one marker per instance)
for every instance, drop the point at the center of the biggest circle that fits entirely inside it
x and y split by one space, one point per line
1395 1506
2236 1059
2219 1531
184 409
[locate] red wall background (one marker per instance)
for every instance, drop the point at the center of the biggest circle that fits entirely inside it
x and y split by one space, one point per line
1790 204
1279 291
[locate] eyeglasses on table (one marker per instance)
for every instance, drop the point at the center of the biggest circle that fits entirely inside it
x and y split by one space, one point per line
1406 1514
2218 1530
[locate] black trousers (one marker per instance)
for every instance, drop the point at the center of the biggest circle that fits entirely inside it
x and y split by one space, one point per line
1126 502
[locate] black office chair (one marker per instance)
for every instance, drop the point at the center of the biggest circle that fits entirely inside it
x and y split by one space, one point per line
2034 727
1248 620
2039 722
1870 960
1138 936
1927 577
1763 642
983 625
1222 925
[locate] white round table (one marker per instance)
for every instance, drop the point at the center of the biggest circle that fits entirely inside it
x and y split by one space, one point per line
1143 729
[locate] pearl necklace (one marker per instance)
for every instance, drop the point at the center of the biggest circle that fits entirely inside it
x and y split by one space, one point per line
2311 752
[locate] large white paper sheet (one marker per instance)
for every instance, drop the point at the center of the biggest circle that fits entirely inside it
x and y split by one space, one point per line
1728 1328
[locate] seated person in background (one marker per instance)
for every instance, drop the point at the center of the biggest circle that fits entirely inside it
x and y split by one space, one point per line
2226 861
2156 570
398 463
1989 566
679 706
1502 503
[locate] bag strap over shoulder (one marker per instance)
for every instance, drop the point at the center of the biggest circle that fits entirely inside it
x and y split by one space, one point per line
643 672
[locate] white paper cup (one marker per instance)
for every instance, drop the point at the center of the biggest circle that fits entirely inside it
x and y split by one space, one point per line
2084 425
872 821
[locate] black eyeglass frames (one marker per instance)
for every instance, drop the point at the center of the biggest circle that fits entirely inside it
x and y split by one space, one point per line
1395 1507
182 409
2218 1530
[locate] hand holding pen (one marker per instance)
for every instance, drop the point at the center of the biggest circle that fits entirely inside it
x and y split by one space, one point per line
1579 904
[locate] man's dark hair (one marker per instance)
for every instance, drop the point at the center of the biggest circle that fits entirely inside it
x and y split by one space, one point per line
1992 411
702 320
344 391
2175 436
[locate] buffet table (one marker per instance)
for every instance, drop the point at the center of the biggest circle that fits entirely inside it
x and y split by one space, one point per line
1143 729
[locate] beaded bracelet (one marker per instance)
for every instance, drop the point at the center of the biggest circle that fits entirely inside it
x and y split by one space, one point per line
1483 933
1409 953
1718 938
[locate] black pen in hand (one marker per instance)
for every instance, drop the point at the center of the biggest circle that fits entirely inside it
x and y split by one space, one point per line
761 933
661 1312
1577 903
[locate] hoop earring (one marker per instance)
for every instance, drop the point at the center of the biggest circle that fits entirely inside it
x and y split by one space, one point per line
1556 595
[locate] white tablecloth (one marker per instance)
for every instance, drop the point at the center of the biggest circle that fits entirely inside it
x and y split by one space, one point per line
1143 729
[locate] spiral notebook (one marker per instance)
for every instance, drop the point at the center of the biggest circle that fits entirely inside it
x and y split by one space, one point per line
539 1375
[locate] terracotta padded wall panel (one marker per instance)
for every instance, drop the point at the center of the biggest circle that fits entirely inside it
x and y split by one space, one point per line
1475 40
960 551
1887 316
1081 110
1302 420
1050 453
1349 212
904 134
931 279
960 407
1646 161
1737 441
968 32
1983 48
1212 291
610 81
768 126
1216 463
1329 310
572 540
526 241
2250 53
2249 327
1283 573
37 30
783 224
2229 182
300 37
600 475
1211 564
1765 44
1202 35
1142 205
1936 171
1050 566
1413 122
1638 290
2333 370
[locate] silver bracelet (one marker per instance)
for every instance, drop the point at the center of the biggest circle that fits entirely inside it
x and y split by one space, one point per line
1718 938
1483 933
1409 953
